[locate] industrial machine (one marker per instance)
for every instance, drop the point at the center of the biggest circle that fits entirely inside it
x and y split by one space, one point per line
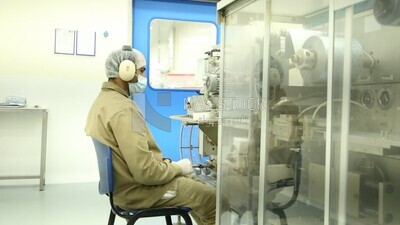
205 105
308 110
202 112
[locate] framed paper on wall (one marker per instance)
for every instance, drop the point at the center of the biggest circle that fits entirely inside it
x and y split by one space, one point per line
86 43
64 42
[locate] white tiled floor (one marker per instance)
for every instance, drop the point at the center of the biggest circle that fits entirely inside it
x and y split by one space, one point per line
58 204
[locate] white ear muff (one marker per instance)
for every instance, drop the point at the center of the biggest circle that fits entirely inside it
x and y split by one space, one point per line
127 70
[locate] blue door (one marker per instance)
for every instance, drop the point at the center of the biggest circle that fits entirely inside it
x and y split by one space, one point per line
160 104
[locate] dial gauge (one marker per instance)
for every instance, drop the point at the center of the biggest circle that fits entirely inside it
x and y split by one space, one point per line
367 98
385 98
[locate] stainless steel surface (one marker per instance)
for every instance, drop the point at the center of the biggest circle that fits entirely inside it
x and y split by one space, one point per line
388 203
43 150
208 146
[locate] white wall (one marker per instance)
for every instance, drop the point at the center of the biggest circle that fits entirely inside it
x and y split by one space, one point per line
65 84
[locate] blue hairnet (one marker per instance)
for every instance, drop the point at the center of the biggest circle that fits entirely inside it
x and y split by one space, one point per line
116 57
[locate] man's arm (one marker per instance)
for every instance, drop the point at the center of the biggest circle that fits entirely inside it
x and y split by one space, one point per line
129 129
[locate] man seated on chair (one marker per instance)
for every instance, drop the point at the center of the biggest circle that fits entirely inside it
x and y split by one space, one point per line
142 178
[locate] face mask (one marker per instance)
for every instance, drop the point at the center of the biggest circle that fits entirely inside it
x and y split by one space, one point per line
139 86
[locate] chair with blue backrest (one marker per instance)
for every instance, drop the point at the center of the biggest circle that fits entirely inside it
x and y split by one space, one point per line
106 186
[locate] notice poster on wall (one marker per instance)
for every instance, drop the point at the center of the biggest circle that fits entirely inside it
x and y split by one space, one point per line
64 41
85 43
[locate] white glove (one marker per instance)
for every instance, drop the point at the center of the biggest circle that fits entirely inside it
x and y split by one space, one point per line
185 165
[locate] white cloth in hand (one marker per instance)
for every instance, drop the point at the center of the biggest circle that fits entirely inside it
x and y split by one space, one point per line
185 165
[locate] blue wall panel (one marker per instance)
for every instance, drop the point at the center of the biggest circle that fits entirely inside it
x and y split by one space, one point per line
158 105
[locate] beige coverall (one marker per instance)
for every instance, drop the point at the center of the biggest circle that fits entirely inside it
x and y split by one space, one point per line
141 177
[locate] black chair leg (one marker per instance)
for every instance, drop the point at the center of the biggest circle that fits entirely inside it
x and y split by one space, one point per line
132 220
187 219
168 220
111 218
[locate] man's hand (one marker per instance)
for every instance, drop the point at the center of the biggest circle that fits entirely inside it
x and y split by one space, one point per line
185 165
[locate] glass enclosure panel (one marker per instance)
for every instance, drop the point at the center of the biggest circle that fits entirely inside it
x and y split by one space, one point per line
290 95
240 119
366 126
297 100
176 49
